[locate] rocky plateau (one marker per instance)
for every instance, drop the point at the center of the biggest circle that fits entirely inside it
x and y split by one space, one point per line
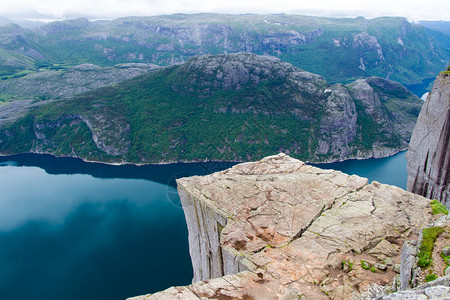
281 229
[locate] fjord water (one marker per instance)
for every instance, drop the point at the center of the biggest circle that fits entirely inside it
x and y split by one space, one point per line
76 230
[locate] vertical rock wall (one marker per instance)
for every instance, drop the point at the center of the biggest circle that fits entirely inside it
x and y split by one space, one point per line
205 224
429 154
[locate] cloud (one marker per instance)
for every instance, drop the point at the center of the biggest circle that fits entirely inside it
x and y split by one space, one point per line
108 9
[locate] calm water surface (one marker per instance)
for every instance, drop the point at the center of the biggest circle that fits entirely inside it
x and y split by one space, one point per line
421 88
76 230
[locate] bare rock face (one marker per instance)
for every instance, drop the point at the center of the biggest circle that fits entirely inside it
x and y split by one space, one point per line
281 229
429 156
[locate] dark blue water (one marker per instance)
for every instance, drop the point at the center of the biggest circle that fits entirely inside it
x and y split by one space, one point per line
76 230
420 88
390 170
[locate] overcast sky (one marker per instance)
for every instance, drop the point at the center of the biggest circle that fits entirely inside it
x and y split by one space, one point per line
108 9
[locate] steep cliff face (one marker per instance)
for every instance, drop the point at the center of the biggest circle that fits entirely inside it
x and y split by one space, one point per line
429 156
291 229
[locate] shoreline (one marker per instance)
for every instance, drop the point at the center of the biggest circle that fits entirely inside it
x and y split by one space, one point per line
191 162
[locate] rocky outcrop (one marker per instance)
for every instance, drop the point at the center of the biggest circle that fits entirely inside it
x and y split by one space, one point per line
438 289
345 121
281 229
412 282
409 259
435 290
428 155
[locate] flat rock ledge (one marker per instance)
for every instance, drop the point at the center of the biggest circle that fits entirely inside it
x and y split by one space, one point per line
281 229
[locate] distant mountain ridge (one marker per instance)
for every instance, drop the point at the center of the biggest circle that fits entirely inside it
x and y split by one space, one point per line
442 26
233 107
341 50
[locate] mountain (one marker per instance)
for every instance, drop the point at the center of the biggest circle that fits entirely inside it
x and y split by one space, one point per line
225 107
23 23
439 31
428 155
5 20
442 26
340 50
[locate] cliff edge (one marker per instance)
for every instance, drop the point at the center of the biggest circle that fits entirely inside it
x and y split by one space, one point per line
281 229
428 155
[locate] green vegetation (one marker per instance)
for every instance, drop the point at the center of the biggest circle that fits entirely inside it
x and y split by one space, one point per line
341 50
347 264
430 277
438 207
165 124
182 113
4 98
446 258
365 265
429 236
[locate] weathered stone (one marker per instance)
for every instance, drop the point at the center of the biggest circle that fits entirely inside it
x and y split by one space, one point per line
374 292
384 249
297 228
408 260
396 283
388 261
405 295
446 251
428 156
396 268
441 222
437 290
381 267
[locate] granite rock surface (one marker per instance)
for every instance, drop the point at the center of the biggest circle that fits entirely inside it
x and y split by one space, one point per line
428 155
281 229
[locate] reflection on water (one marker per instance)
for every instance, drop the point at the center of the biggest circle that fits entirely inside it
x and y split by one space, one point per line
30 194
80 237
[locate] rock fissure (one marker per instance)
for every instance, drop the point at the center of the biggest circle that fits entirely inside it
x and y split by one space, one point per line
374 206
302 230
296 236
